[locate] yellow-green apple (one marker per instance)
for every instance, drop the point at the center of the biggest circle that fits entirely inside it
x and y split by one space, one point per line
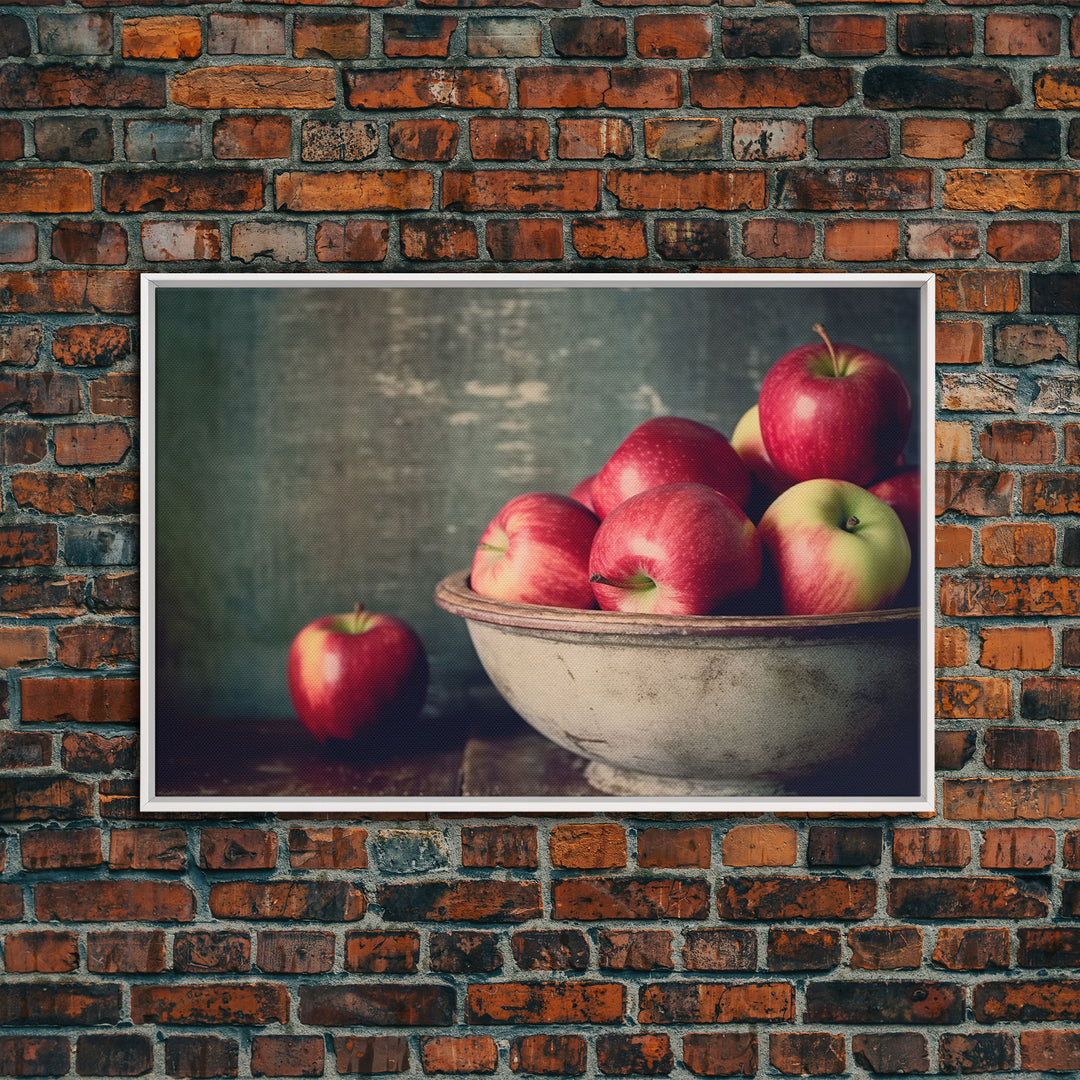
347 673
582 491
835 411
669 450
834 548
748 444
536 551
677 549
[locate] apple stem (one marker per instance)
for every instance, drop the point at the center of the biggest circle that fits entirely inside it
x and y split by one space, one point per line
357 612
819 329
852 523
645 583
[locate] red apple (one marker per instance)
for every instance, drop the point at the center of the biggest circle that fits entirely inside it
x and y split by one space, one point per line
834 411
582 491
901 492
347 673
669 450
678 549
536 551
834 548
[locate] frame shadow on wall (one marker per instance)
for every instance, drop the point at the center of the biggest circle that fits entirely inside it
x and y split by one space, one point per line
315 441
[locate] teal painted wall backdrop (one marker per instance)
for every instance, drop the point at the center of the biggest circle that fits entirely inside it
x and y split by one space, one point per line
316 447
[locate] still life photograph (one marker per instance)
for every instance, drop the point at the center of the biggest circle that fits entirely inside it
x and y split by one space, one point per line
528 542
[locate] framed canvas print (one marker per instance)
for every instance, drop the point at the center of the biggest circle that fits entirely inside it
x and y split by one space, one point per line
537 542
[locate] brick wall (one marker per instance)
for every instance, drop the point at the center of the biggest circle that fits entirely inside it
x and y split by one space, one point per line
540 134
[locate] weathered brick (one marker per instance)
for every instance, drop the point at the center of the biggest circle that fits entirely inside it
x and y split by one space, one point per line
161 37
203 951
273 241
495 138
973 492
1022 35
18 239
88 752
769 87
329 847
54 1003
629 898
506 37
287 1055
891 1052
461 951
952 898
760 845
777 238
579 36
423 139
246 33
45 191
692 239
684 140
25 749
373 189
1017 545
677 1002
973 697
661 37
1016 647
884 948
68 86
720 950
377 952
594 138
459 1054
1017 849
1016 345
889 1001
1057 88
927 846
609 238
549 1055
550 950
247 137
950 646
935 35
937 139
807 1053
421 88
857 240
686 189
254 87
523 239
847 846
1050 1050
108 292
941 240
338 140
967 86
670 848
126 951
1023 139
521 190
162 140
177 191
43 951
639 1054
803 950
325 901
1026 999
34 1055
980 948
355 240
337 36
209 1003
20 345
201 1056
464 900
371 1054
721 1053
794 897
1056 294
292 952
14 36
992 190
768 140
980 1051
1023 241
1009 799
881 189
635 950
562 1002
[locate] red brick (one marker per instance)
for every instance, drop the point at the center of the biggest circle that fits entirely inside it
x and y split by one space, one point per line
41 394
1022 35
673 848
108 292
979 1051
90 243
370 1054
593 138
665 37
247 137
1050 1050
351 241
28 545
254 87
499 845
760 845
927 846
148 849
958 342
862 241
973 697
979 948
1050 697
423 139
549 1055
715 1003
609 238
34 1055
114 901
419 35
201 1056
161 37
127 191
45 191
325 901
890 1001
767 140
42 951
521 190
721 1053
851 137
769 87
1017 849
847 35
292 952
594 87
692 239
126 951
1026 999
629 898
1017 647
562 1002
373 189
23 645
422 88
884 948
20 346
639 1054
329 847
803 950
11 143
237 849
793 897
1009 799
990 190
720 950
524 239
80 700
1017 545
807 1053
92 345
635 950
93 646
209 1003
1050 493
25 749
91 444
379 952
202 951
952 898
287 1055
941 240
471 900
950 646
459 1054
61 849
1023 241
550 950
575 36
1020 344
687 189
460 951
881 189
775 238
337 36
59 1003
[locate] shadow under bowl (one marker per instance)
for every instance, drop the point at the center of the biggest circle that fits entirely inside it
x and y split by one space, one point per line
716 705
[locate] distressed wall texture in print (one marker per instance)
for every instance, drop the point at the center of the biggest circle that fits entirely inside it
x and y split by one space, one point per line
560 135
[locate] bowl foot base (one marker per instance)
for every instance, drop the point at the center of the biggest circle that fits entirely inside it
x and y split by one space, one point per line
613 780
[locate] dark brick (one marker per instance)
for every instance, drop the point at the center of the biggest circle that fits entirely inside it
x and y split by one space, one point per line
890 86
376 1004
14 36
461 901
643 1054
549 1055
370 1055
114 1055
720 950
773 36
721 1053
34 1055
1026 1000
891 1053
52 1004
935 35
1048 946
550 950
844 846
1055 294
803 950
460 951
894 1001
967 898
635 950
577 36
200 1057
1023 139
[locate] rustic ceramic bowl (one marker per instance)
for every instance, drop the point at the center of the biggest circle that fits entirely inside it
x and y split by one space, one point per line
667 705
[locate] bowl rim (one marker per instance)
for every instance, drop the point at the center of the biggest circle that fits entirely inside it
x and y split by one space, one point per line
453 594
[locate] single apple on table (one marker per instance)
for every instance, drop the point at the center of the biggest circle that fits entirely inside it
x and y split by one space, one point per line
834 548
677 549
669 450
348 673
536 551
835 411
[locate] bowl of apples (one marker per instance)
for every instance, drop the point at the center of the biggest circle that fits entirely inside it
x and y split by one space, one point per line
715 617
